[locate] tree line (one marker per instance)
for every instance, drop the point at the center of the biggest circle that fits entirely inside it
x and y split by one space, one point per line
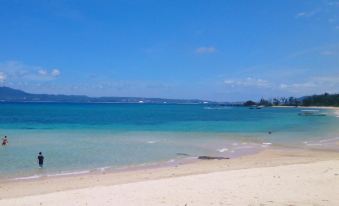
325 99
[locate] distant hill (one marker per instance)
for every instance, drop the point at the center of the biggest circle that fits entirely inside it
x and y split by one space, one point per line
13 95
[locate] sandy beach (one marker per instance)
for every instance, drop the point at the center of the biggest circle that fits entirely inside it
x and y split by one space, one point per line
271 177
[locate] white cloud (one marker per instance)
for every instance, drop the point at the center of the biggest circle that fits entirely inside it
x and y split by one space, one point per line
205 50
307 14
313 85
2 77
297 86
55 72
289 86
324 10
247 82
52 73
300 14
17 71
229 81
42 72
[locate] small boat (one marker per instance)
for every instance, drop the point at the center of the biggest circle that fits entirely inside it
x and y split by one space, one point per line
311 112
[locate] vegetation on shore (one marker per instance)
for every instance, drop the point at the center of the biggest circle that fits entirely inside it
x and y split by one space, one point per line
314 100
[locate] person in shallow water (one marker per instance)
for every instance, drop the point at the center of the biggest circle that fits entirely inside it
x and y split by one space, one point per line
41 160
4 141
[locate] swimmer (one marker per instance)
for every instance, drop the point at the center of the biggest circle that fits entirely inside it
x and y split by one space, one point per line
4 141
41 160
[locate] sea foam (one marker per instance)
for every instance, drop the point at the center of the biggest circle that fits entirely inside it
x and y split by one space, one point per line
28 178
69 173
222 150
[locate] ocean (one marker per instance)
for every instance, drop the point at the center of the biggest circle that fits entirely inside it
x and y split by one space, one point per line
80 138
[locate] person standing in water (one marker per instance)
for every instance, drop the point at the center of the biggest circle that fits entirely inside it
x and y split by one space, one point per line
41 160
4 141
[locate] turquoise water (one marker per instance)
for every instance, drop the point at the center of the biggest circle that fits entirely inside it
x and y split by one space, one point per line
83 137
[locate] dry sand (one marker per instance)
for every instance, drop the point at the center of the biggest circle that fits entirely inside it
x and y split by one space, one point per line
272 177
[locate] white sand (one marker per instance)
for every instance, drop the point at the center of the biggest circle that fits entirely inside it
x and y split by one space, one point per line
314 183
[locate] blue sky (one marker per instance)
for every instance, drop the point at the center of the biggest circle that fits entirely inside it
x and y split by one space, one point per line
217 50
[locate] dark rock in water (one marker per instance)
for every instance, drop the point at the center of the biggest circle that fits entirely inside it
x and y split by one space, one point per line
212 158
183 154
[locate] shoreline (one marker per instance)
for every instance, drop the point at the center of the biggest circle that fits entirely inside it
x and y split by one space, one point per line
245 148
267 158
180 159
252 149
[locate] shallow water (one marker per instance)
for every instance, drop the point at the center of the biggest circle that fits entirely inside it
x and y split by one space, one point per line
82 137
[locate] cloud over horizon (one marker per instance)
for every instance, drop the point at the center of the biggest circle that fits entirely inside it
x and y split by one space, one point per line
248 82
51 73
317 84
17 71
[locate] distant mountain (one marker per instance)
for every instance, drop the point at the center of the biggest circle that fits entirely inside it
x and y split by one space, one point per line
13 95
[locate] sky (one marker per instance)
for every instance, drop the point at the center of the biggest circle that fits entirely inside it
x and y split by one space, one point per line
213 50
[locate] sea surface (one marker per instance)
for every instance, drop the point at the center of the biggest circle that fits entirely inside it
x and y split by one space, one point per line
80 138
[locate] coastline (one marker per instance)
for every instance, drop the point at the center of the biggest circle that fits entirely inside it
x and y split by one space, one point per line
30 191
